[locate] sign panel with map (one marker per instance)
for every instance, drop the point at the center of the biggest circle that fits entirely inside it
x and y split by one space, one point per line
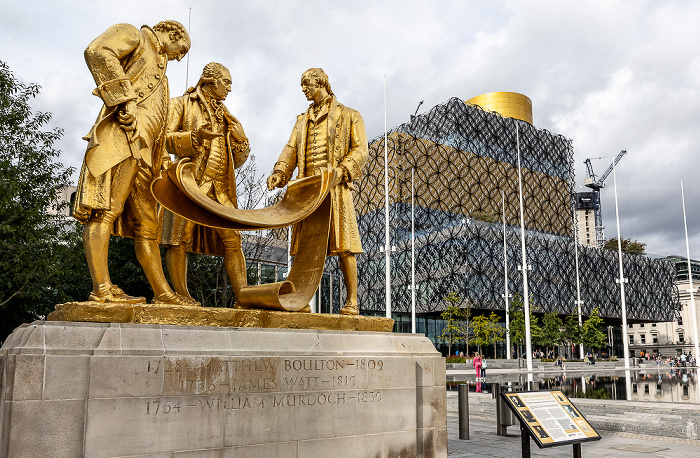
551 418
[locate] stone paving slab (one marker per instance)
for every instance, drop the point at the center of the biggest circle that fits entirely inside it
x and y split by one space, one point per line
484 442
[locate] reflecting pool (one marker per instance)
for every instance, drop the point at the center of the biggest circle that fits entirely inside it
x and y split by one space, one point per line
662 385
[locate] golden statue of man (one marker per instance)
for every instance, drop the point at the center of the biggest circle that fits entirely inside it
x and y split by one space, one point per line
125 150
202 129
328 133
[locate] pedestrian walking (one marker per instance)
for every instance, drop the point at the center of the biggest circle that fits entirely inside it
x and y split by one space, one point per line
476 362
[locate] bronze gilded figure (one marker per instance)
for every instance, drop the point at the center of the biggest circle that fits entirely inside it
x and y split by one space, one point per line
125 150
328 134
201 128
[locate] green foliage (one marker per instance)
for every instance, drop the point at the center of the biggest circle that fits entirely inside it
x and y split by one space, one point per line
572 329
551 334
487 330
482 331
592 336
628 246
593 393
30 182
456 321
517 321
455 360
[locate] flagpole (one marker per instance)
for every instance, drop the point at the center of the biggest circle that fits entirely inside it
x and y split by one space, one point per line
413 253
387 241
696 349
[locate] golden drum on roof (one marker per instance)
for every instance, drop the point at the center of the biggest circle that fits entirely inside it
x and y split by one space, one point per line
509 104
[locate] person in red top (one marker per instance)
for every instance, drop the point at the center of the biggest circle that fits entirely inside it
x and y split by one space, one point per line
477 364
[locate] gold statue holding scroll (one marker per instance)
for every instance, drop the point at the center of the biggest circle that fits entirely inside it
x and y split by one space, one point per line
328 134
125 151
329 147
202 129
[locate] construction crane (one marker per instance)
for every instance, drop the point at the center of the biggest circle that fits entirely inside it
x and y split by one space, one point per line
596 185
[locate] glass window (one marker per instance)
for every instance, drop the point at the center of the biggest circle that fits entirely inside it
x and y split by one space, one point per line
631 339
641 325
655 338
681 337
643 338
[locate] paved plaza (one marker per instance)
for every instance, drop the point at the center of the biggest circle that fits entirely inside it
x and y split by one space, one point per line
484 442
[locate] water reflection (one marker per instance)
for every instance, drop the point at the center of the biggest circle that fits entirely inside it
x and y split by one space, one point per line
661 385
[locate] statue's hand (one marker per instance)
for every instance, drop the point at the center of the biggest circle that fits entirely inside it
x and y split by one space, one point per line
274 180
237 132
337 177
204 134
127 116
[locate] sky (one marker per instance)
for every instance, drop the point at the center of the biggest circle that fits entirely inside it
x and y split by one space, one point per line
608 74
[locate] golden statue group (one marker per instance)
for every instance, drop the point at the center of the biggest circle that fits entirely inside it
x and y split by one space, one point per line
127 175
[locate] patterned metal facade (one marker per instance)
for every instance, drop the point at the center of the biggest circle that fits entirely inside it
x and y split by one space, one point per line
464 161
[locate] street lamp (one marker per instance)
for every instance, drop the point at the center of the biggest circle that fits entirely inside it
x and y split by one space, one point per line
506 296
622 280
579 303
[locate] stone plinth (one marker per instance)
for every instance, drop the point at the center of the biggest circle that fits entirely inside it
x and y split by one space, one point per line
214 316
117 390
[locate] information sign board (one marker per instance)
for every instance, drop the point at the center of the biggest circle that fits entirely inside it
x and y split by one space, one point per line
551 418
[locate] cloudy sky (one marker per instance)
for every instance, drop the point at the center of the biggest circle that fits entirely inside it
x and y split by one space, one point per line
610 75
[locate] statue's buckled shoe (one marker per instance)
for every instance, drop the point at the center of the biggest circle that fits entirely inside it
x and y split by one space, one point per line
174 299
350 308
116 295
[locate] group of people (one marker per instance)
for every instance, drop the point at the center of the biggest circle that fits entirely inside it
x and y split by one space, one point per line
140 126
685 359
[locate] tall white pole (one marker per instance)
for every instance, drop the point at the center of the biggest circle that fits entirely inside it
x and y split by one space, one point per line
625 340
526 294
690 279
413 253
578 284
387 241
506 296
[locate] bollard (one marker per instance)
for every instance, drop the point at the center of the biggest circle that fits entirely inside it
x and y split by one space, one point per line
463 406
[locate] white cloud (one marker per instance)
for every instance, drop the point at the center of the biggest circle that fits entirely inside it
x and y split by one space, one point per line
608 74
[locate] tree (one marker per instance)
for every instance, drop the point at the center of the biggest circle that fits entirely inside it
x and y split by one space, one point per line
551 335
30 183
482 331
517 321
573 329
496 331
457 321
592 336
628 246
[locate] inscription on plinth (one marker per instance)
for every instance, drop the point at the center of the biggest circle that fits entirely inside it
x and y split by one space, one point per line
150 389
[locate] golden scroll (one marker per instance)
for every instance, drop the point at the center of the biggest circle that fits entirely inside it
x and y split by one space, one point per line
306 199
